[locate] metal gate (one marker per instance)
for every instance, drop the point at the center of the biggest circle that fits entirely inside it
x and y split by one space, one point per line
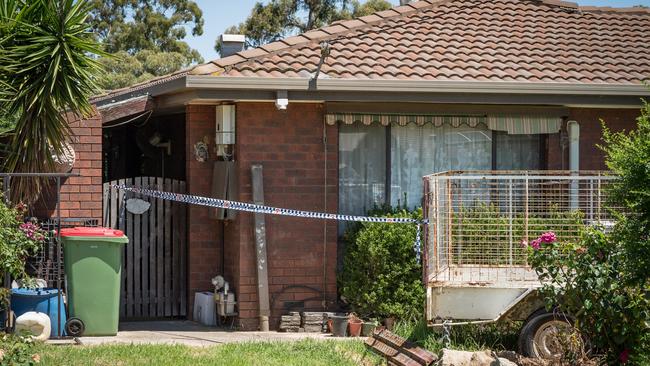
154 274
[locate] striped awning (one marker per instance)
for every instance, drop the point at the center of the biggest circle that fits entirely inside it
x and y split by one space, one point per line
524 124
403 119
512 124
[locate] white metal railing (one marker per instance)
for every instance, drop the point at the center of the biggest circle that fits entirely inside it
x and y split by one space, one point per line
479 219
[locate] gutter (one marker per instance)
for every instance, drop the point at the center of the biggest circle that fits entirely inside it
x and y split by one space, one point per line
413 86
239 87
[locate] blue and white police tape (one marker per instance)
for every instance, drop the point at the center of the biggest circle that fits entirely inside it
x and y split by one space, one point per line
250 207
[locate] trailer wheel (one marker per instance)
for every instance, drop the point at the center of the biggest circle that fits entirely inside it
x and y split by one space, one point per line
549 336
75 327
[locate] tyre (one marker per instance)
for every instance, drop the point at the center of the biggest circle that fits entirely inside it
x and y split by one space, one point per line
549 336
74 327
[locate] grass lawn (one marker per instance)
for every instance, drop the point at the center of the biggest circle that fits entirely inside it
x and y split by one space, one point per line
300 353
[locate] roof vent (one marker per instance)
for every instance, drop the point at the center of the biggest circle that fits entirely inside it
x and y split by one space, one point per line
405 2
231 44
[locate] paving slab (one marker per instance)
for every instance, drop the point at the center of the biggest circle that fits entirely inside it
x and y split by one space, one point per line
193 334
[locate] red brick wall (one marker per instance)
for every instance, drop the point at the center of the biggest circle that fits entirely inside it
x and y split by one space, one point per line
591 157
204 233
290 147
81 197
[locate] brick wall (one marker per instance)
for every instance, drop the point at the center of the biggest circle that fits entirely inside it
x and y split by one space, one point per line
204 233
591 157
81 197
290 147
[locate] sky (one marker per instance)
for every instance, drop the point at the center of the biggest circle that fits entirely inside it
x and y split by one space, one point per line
220 14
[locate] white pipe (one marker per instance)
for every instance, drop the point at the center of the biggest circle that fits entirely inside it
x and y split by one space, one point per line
573 129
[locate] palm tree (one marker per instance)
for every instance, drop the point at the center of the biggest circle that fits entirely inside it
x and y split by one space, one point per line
47 70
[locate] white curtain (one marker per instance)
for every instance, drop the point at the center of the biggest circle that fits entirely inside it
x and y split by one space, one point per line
517 152
362 168
420 150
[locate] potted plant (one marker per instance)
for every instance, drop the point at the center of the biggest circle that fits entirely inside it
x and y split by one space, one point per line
355 324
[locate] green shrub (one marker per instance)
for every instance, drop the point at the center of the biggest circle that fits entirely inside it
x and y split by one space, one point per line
381 275
16 350
18 241
602 279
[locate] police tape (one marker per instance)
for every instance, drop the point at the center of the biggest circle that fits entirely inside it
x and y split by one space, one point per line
251 207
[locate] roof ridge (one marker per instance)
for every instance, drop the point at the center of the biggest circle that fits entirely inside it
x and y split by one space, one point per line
330 31
608 9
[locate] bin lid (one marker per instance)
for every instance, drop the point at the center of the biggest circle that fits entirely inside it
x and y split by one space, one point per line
92 232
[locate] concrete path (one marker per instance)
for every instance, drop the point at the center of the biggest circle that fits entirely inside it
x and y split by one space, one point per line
191 334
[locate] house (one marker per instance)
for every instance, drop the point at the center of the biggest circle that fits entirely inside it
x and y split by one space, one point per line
345 117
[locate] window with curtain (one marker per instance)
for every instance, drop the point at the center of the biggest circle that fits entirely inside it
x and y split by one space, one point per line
413 151
517 152
420 150
362 168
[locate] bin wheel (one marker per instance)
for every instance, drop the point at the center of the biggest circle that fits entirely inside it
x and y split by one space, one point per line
74 327
549 336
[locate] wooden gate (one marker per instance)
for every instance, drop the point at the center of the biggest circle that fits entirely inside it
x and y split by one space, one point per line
154 272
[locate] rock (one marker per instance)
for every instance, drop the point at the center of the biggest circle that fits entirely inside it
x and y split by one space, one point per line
465 358
520 360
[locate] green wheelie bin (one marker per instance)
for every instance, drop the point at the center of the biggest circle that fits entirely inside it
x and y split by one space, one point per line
93 268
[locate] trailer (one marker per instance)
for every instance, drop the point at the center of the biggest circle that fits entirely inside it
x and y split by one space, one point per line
476 262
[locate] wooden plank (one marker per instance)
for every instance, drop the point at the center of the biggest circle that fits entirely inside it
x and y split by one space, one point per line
175 253
129 260
137 259
160 294
183 252
145 253
114 201
105 204
168 251
152 250
398 350
260 248
119 224
115 111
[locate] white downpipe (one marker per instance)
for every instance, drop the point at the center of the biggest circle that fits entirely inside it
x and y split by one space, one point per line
573 129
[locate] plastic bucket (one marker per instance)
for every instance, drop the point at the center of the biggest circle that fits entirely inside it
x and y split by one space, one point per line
43 301
367 328
339 325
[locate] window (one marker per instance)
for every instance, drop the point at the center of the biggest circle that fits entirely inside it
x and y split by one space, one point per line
379 164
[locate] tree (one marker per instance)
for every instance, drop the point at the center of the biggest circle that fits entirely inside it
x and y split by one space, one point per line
47 67
146 37
279 18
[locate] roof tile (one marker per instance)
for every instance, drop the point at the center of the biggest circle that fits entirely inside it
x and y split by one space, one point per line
496 40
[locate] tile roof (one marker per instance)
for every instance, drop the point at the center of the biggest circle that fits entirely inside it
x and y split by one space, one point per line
474 40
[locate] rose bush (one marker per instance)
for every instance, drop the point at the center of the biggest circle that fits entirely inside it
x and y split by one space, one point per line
18 241
602 280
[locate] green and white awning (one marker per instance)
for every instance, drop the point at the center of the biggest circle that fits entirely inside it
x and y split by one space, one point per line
403 119
512 124
524 125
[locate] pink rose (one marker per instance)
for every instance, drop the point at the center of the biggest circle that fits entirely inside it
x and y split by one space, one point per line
548 237
536 244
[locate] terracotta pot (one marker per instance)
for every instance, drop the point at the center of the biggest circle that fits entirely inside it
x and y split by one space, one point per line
355 326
